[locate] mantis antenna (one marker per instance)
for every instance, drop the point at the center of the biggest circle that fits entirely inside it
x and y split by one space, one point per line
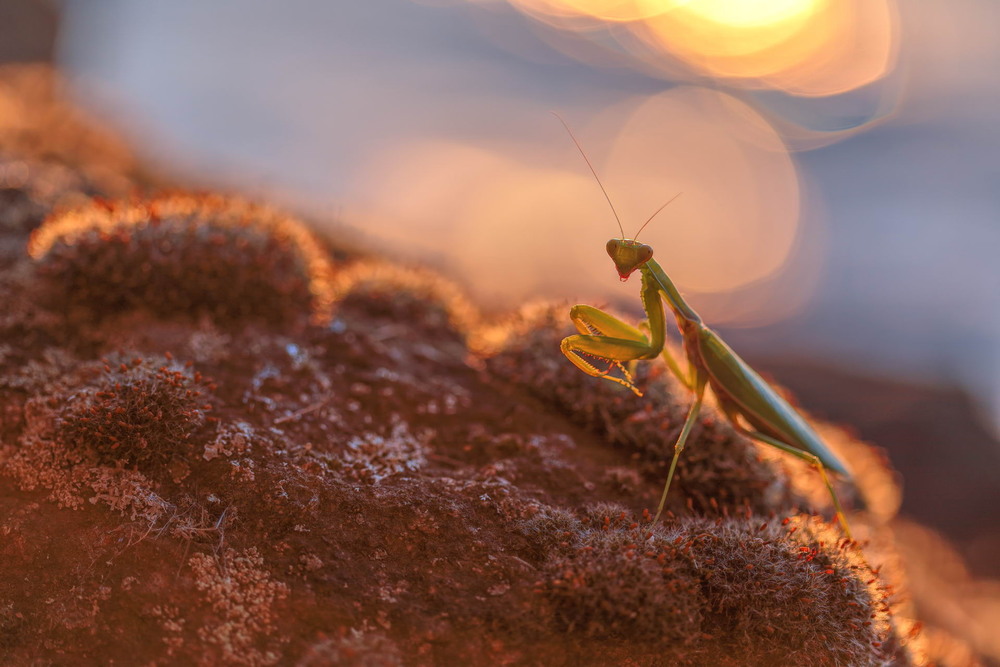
636 237
594 172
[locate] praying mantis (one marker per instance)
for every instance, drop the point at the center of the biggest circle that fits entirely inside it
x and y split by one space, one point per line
750 404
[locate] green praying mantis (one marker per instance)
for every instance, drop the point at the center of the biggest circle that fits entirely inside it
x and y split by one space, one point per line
751 405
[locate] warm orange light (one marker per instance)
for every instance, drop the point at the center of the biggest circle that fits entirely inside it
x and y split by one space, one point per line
804 47
513 229
604 10
737 217
513 221
750 13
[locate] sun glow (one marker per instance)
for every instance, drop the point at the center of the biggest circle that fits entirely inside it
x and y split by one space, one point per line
751 13
602 10
803 47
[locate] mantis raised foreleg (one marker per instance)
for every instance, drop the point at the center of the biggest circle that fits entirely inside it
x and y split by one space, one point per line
749 402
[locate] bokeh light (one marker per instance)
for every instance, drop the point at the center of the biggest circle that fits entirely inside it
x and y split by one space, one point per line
801 47
601 10
521 222
737 218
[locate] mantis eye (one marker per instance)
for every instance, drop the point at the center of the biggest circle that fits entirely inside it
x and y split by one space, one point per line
644 253
613 246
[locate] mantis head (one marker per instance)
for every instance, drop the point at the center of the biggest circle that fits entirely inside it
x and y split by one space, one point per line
628 255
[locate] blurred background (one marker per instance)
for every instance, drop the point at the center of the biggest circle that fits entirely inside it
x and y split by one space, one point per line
837 160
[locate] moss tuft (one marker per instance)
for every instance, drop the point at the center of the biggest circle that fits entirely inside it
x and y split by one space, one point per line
415 296
769 591
550 528
607 516
785 592
613 584
141 412
181 256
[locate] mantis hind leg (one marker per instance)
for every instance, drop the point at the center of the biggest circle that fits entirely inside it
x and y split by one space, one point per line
811 459
692 415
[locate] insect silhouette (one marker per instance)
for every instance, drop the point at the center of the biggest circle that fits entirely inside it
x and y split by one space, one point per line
750 404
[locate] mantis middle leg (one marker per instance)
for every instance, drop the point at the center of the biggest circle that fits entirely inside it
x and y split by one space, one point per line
698 381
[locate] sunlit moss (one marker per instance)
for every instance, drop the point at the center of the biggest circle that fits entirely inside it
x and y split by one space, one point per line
182 255
786 591
417 296
631 590
769 591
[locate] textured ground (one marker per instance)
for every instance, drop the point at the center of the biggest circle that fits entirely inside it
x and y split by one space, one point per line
226 441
